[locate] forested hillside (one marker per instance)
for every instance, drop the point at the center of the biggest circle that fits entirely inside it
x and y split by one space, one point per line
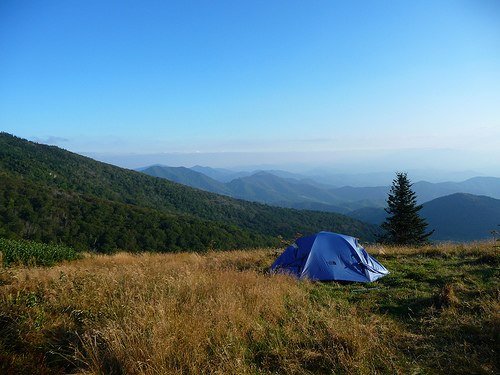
186 176
32 211
100 202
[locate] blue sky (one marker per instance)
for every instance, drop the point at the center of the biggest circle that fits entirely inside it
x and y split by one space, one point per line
329 79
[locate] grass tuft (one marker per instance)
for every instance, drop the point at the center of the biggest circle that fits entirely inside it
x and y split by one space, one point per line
447 296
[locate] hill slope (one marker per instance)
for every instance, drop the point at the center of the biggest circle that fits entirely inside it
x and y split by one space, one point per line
37 212
187 176
276 188
462 217
455 217
53 168
266 187
219 174
374 215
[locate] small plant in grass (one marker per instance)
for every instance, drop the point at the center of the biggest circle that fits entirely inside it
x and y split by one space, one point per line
496 236
33 253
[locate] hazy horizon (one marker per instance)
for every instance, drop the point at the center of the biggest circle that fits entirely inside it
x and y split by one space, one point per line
355 175
306 163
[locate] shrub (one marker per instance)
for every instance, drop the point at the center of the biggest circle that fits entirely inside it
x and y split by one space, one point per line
33 253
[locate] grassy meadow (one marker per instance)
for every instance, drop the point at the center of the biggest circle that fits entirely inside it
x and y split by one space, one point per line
438 312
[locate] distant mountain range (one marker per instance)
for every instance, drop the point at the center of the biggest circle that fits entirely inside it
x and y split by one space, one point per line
457 210
385 178
264 187
52 195
280 188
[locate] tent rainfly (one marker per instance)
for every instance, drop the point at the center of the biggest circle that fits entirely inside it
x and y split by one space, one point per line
328 256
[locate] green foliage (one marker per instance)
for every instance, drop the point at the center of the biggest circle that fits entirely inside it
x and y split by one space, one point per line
186 176
404 226
33 253
35 212
50 194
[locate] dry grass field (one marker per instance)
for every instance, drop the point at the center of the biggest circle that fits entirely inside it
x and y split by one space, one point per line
437 312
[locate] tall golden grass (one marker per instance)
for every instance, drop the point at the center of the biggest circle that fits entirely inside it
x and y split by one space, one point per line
184 313
193 314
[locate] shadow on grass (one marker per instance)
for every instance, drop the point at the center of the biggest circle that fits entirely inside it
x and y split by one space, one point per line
406 309
60 347
16 355
54 355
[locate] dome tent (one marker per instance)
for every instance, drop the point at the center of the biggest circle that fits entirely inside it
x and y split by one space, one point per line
328 256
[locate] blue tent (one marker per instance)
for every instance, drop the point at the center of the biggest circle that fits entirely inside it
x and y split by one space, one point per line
329 256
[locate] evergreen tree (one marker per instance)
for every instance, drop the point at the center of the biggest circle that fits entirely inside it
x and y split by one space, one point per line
404 226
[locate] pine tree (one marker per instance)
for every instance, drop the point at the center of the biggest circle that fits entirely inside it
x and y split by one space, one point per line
404 226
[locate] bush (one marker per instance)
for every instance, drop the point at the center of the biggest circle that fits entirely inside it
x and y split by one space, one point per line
33 253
